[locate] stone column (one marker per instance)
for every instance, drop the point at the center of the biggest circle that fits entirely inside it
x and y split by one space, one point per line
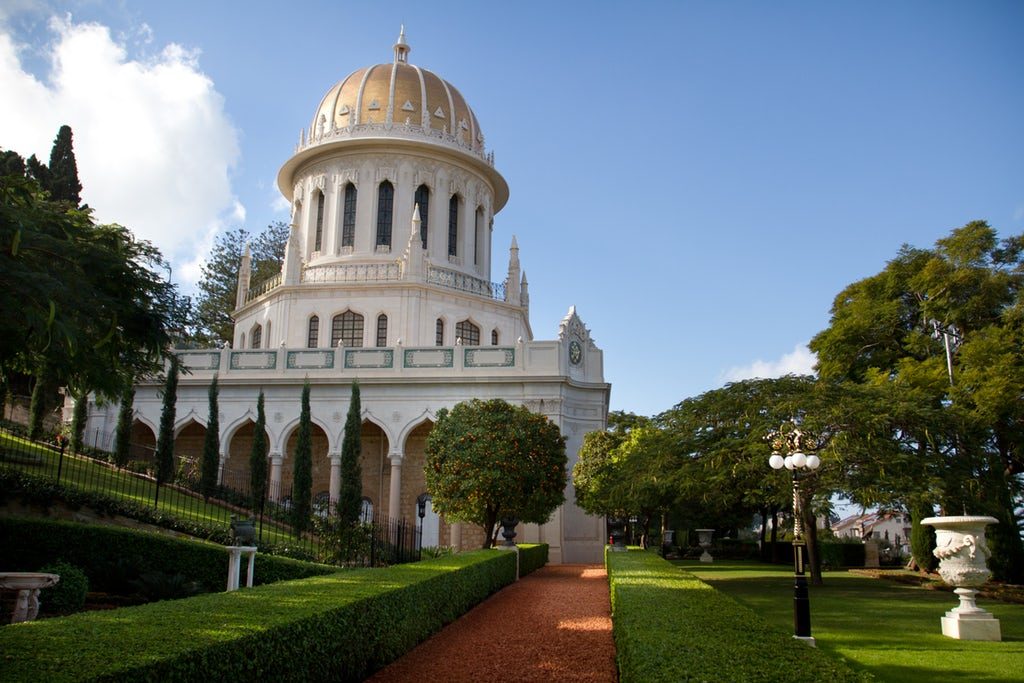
275 476
395 490
335 488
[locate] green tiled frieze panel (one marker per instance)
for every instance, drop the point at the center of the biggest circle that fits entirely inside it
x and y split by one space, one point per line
254 360
310 360
429 357
490 357
369 358
200 360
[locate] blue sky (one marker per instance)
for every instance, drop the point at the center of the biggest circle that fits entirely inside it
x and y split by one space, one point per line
699 178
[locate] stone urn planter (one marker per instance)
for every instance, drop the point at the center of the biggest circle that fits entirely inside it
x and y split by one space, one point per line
508 531
704 539
666 542
243 531
962 553
27 585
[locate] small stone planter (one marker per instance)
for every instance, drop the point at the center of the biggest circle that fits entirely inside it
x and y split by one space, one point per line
508 531
704 536
963 554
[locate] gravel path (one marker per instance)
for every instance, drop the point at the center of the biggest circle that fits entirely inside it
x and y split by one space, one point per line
553 625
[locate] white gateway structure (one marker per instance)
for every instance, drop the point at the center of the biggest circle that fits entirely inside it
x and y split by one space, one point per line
387 280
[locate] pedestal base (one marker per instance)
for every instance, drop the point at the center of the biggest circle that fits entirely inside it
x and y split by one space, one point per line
977 626
706 557
809 640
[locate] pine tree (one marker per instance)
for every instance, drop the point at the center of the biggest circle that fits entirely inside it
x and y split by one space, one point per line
165 441
302 486
79 417
211 445
258 459
350 498
64 185
123 434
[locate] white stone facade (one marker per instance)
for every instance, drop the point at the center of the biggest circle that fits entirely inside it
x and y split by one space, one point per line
346 265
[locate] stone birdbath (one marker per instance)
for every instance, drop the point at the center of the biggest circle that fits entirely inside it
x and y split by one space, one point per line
704 537
28 585
963 554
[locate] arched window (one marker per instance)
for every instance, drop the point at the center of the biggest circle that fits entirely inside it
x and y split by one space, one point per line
422 199
439 333
453 225
348 225
468 333
494 337
385 206
382 330
347 328
256 335
313 337
478 235
366 512
318 240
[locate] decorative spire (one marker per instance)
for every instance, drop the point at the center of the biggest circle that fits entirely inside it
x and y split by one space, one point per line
402 48
512 282
413 256
524 293
291 271
244 277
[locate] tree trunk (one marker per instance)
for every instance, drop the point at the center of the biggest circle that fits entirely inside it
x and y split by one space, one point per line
764 532
813 551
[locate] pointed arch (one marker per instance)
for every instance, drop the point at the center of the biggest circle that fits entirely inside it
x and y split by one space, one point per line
347 328
453 225
385 212
318 229
468 332
256 335
348 221
313 332
422 200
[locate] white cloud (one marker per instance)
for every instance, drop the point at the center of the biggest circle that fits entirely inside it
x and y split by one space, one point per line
153 143
800 361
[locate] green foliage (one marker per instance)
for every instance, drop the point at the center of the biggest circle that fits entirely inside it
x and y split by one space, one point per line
670 626
64 185
532 556
487 459
79 416
155 586
922 538
112 556
211 445
123 432
350 498
219 282
68 595
39 404
258 458
165 439
302 487
341 627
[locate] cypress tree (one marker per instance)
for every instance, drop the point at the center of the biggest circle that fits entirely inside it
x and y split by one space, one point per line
123 433
40 400
64 185
922 538
258 459
211 446
350 498
302 486
79 417
165 441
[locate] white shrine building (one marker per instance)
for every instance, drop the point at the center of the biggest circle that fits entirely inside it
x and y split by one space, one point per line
387 279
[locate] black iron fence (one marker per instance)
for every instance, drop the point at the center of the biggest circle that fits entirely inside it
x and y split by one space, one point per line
179 503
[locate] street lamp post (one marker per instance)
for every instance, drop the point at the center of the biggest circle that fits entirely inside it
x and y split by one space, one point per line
795 462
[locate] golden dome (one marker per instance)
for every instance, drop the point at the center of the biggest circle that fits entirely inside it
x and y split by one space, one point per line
399 95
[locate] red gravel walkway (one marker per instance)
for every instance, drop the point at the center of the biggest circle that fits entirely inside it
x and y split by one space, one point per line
553 625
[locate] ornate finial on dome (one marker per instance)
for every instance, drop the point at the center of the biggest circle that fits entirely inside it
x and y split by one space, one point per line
402 48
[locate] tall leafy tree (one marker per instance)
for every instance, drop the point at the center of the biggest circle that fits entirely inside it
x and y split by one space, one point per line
64 183
79 416
258 458
211 445
302 486
123 432
219 282
165 440
487 460
944 325
39 405
350 498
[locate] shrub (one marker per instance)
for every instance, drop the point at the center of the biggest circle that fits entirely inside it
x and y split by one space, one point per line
340 627
68 595
532 557
838 554
112 557
670 626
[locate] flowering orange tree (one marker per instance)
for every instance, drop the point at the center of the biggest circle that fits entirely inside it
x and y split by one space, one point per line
488 460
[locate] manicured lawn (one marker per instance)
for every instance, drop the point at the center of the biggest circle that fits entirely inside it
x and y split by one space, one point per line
88 475
888 629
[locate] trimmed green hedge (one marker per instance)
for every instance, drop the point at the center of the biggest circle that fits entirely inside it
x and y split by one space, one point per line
340 627
532 556
670 626
104 553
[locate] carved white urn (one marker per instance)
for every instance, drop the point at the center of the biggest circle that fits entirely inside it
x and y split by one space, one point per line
704 538
963 555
